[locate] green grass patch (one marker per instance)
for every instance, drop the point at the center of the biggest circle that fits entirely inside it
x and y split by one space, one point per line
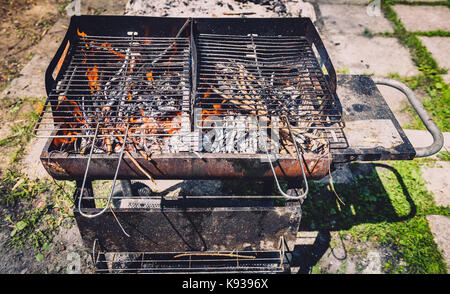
419 3
444 155
436 33
438 92
21 130
15 187
386 206
345 71
33 209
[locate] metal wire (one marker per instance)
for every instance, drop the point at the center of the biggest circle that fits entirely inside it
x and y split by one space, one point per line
152 73
299 158
284 73
113 185
192 262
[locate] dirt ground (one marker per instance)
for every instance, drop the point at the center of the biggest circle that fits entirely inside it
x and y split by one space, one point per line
23 25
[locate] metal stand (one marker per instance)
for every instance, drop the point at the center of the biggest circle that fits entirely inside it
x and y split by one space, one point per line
203 234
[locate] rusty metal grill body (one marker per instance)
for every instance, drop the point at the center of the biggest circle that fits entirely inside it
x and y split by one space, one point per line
153 76
128 80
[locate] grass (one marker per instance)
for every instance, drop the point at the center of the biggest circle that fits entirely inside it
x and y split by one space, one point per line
345 71
437 99
32 209
436 33
420 3
33 224
21 130
62 7
387 207
444 155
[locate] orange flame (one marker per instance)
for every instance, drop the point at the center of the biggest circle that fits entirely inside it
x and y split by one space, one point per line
150 76
92 75
82 34
68 106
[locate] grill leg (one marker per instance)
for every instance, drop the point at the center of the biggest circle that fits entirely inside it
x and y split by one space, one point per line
268 187
101 264
126 187
88 192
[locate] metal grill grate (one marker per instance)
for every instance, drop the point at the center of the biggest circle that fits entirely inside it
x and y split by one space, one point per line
265 76
115 82
192 262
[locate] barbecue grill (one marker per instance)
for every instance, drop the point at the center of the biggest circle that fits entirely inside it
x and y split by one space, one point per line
144 98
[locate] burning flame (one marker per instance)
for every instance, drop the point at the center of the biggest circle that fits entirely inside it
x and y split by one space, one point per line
217 107
72 119
82 34
150 76
68 107
92 75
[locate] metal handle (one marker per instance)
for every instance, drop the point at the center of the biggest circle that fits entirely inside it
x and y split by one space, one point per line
300 161
114 181
438 137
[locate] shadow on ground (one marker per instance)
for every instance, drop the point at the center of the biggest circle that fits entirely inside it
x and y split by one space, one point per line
364 201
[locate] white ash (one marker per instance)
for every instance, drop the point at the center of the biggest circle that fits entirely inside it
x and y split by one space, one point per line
230 134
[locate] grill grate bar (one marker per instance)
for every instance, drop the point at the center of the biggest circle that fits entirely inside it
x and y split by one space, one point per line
192 262
115 81
149 80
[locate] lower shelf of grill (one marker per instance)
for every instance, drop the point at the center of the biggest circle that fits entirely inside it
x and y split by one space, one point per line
191 262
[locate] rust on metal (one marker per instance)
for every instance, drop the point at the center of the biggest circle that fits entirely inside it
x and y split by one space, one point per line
183 166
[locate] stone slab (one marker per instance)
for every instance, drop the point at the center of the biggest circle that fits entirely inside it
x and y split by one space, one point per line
397 102
352 20
439 225
354 2
422 138
361 55
424 18
197 8
438 181
439 48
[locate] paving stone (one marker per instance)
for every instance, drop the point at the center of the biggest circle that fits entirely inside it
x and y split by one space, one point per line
352 20
446 78
197 8
439 225
439 48
397 101
424 18
438 181
373 260
341 175
422 138
437 178
355 2
306 237
378 55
